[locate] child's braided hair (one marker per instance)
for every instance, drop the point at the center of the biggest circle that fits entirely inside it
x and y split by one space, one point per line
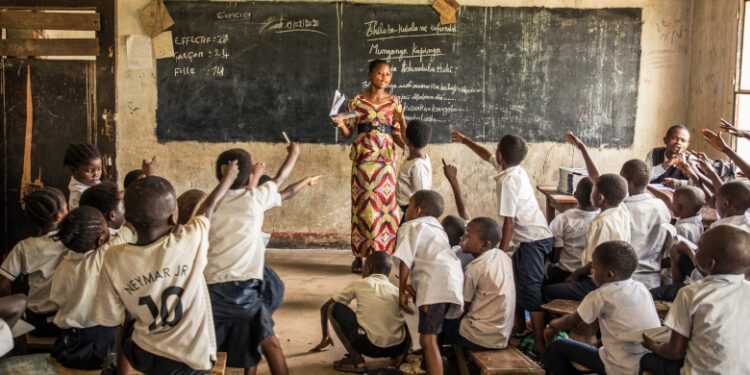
80 230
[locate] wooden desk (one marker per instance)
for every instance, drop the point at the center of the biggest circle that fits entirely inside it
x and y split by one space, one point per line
556 201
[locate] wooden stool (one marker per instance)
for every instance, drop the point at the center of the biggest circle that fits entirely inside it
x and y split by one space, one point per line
219 367
583 332
505 361
40 343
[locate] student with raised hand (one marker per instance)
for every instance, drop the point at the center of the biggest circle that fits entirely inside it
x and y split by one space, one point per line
163 287
453 225
720 145
708 322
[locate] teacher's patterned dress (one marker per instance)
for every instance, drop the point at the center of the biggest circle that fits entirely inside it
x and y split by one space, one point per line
375 214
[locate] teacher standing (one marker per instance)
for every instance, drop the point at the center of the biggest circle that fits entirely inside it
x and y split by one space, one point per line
380 116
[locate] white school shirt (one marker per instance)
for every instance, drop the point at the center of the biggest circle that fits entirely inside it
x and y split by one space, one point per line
378 311
414 175
609 225
37 257
6 338
74 284
742 221
161 286
76 188
515 199
713 316
690 228
620 306
489 286
569 230
435 269
237 249
647 236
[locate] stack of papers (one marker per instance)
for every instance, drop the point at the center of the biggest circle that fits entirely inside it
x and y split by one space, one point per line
338 101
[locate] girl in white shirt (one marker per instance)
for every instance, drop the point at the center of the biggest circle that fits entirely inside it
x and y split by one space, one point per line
85 163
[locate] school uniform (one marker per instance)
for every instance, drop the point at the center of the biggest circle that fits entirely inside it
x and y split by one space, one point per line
711 316
692 229
491 292
742 221
164 290
647 236
6 338
377 329
569 230
436 274
619 306
75 188
236 259
609 225
82 344
414 175
37 257
532 238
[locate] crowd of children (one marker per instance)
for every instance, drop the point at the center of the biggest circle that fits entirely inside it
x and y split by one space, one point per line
196 283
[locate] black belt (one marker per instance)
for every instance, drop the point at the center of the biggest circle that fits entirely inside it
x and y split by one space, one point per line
366 128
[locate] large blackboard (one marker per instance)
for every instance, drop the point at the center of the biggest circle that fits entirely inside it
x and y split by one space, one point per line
247 71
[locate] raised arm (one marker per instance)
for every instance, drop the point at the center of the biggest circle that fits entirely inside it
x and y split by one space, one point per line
286 168
258 169
590 166
451 174
398 116
296 187
661 195
725 126
478 149
229 173
706 166
718 143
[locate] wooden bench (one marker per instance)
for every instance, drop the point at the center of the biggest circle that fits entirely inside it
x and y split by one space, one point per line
218 369
40 343
583 332
505 361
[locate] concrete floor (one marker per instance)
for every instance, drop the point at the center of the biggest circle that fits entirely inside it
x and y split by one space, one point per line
311 278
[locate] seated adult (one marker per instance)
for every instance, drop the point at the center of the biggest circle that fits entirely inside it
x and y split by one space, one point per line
664 160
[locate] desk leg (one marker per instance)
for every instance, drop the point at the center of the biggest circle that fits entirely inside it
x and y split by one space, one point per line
550 211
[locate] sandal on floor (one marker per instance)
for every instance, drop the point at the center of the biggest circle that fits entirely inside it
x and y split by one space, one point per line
347 364
357 265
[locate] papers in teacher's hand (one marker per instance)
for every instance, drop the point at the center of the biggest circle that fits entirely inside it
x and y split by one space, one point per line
338 101
659 334
673 232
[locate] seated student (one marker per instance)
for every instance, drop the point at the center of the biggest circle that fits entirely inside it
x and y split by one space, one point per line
85 163
453 225
83 344
733 203
687 202
708 322
489 291
236 259
426 259
647 214
377 329
569 230
11 310
106 198
620 304
416 172
611 224
524 226
664 160
162 288
38 258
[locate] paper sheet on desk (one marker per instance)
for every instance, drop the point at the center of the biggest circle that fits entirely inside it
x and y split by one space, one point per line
673 232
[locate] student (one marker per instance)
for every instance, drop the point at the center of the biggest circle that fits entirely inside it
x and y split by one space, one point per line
489 291
106 198
85 162
611 224
11 310
38 258
708 322
647 214
83 344
524 227
377 329
687 202
620 304
416 172
719 144
236 257
426 259
732 204
187 202
569 230
453 225
664 160
162 288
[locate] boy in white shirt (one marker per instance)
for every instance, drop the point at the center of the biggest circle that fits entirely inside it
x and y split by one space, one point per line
569 230
11 310
611 224
733 203
709 324
106 198
377 329
525 229
38 258
620 304
236 257
489 291
162 285
416 172
426 259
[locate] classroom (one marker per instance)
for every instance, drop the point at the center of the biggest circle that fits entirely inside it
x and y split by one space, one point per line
502 186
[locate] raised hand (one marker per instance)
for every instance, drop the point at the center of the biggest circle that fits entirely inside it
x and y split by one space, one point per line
230 171
575 141
450 171
715 140
725 126
149 167
313 180
457 137
293 148
259 168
